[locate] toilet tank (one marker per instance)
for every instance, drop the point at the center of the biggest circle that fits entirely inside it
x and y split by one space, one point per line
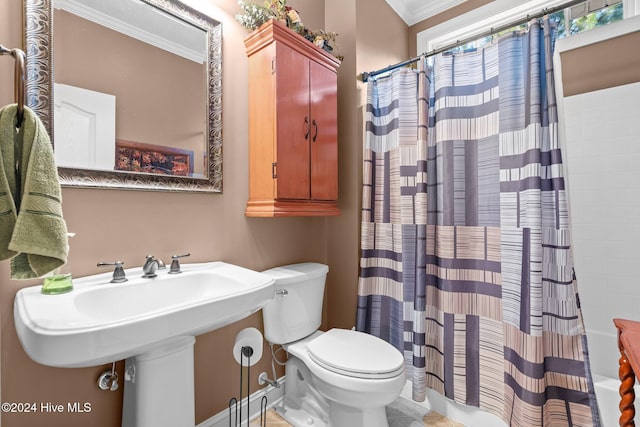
296 310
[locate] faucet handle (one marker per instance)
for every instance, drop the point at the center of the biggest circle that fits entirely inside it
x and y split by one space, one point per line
175 263
118 273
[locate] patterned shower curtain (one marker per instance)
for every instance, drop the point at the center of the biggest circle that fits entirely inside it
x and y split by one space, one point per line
466 264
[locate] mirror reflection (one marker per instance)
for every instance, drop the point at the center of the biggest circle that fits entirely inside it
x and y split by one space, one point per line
133 99
136 93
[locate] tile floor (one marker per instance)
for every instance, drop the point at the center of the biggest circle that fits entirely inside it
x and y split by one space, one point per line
401 413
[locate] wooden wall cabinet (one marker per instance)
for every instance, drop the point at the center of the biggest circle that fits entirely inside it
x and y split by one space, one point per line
293 126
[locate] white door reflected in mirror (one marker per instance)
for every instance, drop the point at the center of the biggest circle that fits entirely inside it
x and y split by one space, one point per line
87 119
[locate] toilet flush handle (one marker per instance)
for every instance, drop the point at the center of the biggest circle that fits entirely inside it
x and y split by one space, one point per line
283 293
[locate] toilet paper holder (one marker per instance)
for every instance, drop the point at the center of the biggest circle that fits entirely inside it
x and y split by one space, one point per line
247 346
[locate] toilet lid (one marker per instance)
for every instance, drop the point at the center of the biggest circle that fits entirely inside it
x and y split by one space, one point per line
356 354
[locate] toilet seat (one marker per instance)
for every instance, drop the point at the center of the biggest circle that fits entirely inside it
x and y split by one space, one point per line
356 354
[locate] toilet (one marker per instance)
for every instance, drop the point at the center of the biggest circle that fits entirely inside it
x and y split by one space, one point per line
338 378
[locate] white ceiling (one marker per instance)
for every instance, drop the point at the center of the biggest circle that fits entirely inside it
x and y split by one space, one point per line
414 11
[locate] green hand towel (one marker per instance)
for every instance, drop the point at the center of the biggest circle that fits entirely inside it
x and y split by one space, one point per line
33 232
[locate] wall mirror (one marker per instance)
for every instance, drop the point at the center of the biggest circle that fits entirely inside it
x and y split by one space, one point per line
130 92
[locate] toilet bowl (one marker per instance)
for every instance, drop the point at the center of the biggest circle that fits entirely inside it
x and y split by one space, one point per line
338 378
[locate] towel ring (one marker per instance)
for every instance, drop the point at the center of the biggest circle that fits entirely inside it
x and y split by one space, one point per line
19 82
19 79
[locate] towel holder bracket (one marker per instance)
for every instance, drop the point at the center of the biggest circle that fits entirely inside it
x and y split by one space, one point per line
19 79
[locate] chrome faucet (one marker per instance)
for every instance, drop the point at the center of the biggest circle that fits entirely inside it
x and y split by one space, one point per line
150 266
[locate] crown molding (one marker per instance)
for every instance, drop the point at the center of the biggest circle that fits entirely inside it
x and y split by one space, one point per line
120 25
414 11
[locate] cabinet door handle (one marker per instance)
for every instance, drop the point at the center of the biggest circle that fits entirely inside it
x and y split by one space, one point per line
308 128
315 135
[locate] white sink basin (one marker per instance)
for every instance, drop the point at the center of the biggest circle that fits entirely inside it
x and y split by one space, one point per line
100 322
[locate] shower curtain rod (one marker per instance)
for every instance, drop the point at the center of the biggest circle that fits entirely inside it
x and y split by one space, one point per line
546 11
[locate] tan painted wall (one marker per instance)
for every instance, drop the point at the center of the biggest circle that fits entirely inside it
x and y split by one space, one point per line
127 225
610 63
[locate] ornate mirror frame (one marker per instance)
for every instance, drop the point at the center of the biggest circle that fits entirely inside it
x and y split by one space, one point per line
38 15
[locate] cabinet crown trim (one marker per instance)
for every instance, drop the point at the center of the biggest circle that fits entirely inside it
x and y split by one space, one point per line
273 30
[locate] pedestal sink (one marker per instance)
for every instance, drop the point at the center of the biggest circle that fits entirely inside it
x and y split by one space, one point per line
150 322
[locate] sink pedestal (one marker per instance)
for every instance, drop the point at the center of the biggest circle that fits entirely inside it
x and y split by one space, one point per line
159 386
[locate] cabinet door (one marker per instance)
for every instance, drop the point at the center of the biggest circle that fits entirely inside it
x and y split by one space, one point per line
293 124
324 133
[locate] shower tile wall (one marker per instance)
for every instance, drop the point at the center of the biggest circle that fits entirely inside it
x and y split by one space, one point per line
602 152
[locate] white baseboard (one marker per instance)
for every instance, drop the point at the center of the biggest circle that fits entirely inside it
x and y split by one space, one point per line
274 395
